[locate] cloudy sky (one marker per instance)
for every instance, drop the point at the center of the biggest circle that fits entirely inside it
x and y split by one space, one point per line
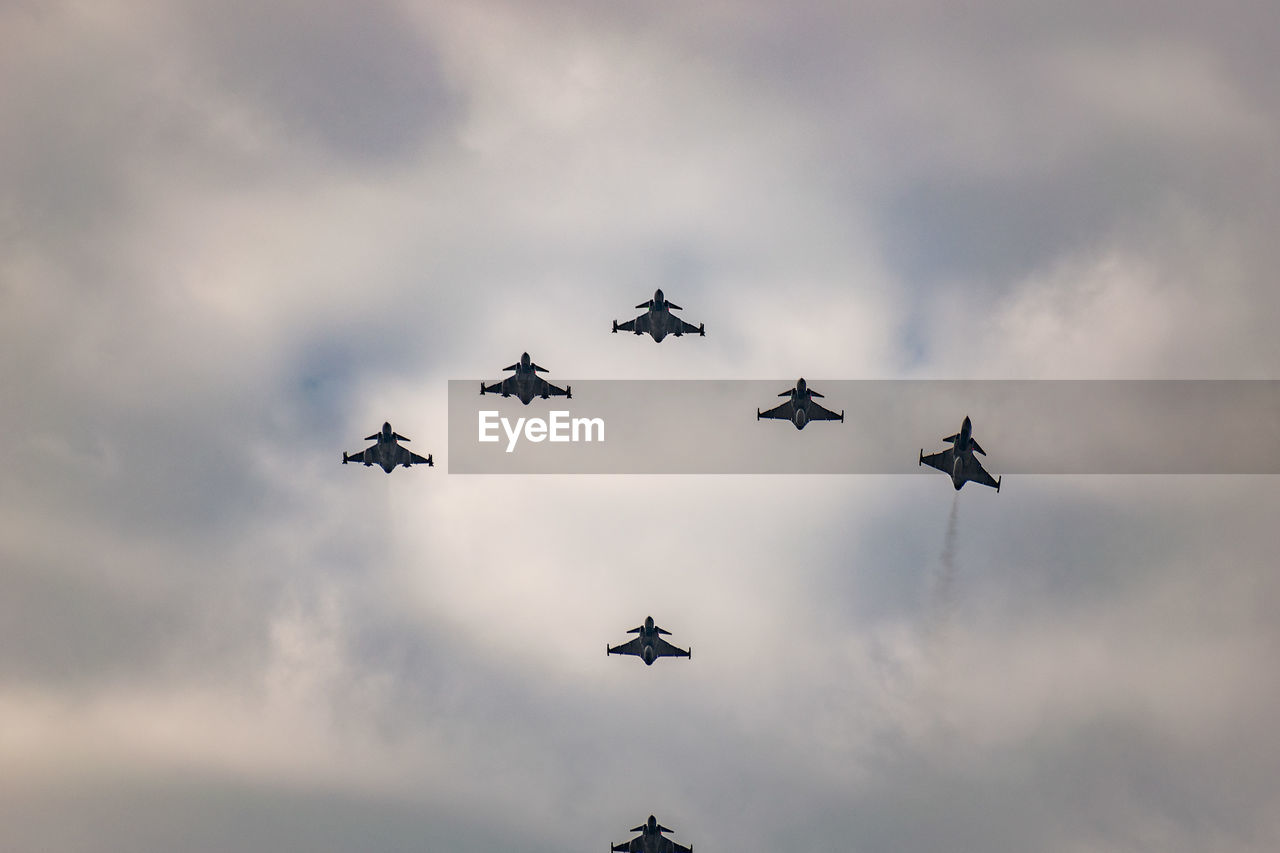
237 237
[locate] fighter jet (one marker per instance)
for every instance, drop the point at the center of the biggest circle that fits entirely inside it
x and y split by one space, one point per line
959 461
387 452
658 321
801 408
650 840
649 645
526 383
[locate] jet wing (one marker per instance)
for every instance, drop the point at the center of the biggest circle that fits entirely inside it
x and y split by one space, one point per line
640 325
550 390
689 328
785 412
636 845
942 460
415 459
355 457
665 650
818 413
978 474
495 388
630 648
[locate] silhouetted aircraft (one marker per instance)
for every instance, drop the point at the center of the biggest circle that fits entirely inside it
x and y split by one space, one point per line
649 646
658 321
526 383
801 408
958 460
387 452
650 840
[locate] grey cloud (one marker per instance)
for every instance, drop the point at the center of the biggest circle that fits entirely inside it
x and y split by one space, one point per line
357 80
206 812
245 645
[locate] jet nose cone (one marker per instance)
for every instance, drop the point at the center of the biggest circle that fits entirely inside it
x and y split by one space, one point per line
386 426
653 821
801 385
657 295
524 358
648 623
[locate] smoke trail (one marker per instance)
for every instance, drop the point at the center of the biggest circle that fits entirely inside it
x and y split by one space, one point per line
934 685
942 595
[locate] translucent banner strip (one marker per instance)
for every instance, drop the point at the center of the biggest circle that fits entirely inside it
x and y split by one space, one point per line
1025 427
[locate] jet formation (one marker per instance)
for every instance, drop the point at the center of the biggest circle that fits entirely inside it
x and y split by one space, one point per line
958 460
658 321
650 840
800 408
387 452
526 383
649 646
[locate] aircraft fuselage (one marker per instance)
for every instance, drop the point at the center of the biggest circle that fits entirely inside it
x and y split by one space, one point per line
962 454
659 323
800 404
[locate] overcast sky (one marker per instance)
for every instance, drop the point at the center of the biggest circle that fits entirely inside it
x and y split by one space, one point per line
236 237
